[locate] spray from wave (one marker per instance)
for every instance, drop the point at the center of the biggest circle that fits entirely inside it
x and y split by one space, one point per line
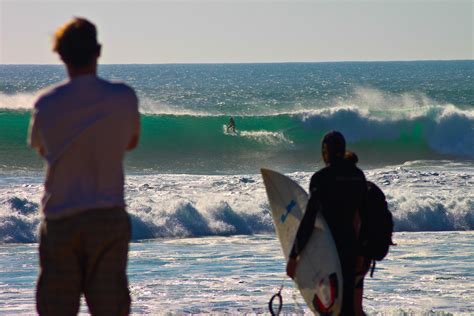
17 101
370 115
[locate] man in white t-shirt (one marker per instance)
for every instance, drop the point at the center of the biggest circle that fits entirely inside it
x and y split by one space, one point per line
82 128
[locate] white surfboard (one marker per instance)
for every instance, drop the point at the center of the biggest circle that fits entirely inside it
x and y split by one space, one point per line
233 132
318 274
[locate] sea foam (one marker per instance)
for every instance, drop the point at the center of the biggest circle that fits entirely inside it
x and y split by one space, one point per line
426 198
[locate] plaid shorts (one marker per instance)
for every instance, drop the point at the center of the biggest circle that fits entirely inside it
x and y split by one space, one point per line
85 253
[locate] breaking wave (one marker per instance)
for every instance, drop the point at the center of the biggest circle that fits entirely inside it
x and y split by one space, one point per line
173 206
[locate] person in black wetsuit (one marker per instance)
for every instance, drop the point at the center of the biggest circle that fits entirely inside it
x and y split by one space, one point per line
231 125
339 190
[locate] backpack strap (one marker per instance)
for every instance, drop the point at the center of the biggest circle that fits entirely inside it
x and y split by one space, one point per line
372 269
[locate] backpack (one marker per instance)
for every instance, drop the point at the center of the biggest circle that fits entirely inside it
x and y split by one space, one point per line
376 226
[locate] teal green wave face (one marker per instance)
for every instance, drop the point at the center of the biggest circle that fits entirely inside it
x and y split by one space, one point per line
14 152
202 144
287 142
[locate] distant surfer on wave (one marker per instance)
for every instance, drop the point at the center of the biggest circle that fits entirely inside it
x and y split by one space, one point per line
231 125
339 190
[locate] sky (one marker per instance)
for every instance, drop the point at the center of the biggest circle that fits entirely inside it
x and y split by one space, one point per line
226 31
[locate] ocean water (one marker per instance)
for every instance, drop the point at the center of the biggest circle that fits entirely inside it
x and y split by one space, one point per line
202 230
424 274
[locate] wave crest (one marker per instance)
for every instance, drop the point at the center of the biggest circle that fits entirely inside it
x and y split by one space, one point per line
17 101
446 129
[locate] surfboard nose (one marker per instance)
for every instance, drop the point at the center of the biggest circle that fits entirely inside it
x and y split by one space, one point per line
267 172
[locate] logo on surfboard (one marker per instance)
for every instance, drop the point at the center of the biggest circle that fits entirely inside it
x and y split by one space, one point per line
288 208
329 291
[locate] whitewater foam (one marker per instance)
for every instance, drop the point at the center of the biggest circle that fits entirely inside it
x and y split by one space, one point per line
272 138
428 197
261 136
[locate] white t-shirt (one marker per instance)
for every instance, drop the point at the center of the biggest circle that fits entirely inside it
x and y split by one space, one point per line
84 126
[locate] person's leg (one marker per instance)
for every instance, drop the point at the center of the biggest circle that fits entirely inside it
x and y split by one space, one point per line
362 267
347 260
348 293
106 285
358 294
58 289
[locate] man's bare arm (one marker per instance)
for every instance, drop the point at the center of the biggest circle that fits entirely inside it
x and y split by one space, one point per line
34 139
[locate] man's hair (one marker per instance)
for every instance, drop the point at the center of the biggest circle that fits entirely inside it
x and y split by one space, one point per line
76 42
335 144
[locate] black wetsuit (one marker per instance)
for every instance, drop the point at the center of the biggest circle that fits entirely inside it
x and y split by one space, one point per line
339 190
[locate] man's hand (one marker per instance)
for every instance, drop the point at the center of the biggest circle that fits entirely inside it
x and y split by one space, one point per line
40 150
291 267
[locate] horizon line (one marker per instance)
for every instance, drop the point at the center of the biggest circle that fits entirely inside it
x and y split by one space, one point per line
252 62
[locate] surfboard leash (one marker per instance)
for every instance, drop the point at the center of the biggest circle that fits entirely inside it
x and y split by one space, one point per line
280 302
